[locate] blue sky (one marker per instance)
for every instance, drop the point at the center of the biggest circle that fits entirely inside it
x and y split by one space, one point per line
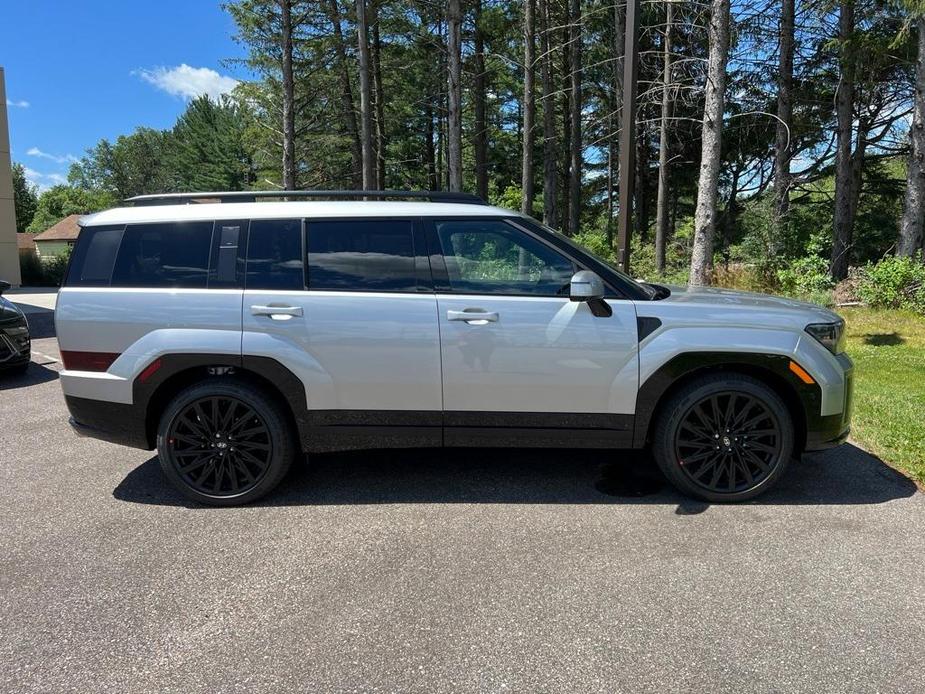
81 70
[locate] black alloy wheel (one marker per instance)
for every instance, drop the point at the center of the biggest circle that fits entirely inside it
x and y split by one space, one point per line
725 437
728 442
224 443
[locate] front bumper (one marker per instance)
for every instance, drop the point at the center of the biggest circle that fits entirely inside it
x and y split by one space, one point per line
832 430
15 345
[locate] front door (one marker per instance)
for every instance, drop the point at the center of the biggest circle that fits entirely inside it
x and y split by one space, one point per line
522 364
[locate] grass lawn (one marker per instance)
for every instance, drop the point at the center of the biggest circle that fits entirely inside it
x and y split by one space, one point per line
888 349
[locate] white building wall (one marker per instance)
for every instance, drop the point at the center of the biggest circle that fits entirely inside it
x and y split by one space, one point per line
9 255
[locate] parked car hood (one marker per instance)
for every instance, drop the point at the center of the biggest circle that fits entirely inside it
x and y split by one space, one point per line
8 310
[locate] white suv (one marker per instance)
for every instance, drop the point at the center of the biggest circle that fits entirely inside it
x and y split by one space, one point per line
234 333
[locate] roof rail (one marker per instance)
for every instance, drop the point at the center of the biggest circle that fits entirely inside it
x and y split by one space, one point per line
254 195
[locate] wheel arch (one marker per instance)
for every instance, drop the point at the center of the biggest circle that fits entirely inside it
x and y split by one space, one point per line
771 369
178 371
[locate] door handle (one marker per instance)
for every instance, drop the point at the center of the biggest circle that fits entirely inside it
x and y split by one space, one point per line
473 316
277 312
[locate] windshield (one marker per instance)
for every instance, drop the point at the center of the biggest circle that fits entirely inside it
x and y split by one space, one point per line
579 250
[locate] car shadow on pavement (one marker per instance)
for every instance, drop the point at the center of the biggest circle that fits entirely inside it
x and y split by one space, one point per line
847 475
34 375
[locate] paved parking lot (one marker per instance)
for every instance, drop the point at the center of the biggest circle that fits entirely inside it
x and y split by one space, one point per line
445 571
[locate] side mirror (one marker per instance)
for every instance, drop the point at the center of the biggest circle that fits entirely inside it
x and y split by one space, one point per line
586 286
4 285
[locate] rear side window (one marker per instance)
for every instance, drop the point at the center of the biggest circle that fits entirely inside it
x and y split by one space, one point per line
94 256
164 255
361 255
274 255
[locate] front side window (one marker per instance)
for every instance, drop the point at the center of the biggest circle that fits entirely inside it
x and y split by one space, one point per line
492 257
361 255
175 255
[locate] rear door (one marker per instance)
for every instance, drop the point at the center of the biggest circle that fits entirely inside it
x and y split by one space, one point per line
518 356
348 306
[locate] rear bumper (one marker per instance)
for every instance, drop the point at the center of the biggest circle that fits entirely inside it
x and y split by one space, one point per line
832 430
108 421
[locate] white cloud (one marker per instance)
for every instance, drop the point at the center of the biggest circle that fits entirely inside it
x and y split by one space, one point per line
188 82
17 104
61 159
43 181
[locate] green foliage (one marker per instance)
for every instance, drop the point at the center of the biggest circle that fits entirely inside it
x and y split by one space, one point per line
895 283
206 149
809 274
133 165
59 201
25 198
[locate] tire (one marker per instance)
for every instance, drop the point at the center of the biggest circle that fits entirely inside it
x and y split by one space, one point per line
227 456
723 438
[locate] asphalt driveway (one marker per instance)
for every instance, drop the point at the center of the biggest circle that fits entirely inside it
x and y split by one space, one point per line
445 571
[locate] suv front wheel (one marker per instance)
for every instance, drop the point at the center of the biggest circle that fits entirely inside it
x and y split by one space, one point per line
224 443
723 437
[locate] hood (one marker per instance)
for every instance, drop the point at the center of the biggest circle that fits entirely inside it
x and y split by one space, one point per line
732 304
9 310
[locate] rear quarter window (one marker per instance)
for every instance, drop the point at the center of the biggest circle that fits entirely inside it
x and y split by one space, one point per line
94 256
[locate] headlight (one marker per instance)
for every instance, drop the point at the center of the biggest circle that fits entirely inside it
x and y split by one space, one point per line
831 335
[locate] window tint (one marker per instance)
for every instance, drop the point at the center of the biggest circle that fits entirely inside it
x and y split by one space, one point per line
373 255
492 257
274 254
164 255
94 256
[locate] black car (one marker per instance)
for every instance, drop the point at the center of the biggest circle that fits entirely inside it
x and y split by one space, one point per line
15 345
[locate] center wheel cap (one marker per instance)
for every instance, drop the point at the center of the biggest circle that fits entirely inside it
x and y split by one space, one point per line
727 442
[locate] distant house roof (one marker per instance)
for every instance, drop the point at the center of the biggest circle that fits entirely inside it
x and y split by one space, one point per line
25 242
65 230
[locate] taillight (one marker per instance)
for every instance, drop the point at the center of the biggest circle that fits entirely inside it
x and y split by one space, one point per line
87 361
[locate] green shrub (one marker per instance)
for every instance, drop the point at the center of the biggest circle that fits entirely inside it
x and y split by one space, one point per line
895 283
53 269
47 271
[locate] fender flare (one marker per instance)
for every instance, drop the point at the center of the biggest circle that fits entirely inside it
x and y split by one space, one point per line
774 369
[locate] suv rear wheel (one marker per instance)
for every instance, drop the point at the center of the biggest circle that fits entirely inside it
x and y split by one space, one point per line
224 443
724 437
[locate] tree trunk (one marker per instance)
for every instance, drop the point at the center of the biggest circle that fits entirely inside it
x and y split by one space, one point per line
379 110
353 130
661 214
844 169
527 185
641 201
576 163
549 122
366 101
783 145
910 225
616 106
566 115
454 94
480 139
711 144
289 183
430 155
